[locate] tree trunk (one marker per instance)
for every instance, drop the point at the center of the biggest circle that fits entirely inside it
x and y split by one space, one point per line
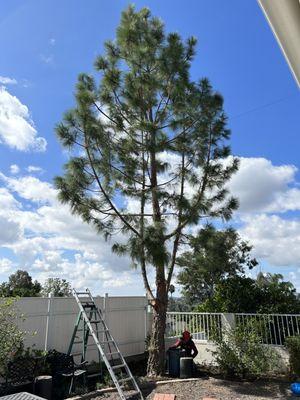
156 360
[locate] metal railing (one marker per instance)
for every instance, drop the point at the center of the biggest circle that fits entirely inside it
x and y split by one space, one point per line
201 325
271 328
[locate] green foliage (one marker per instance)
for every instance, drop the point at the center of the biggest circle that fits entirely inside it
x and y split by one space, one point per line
240 294
240 353
58 287
20 284
11 337
293 345
147 147
278 296
144 111
214 255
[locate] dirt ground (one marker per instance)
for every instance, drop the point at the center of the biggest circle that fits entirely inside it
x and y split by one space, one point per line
217 388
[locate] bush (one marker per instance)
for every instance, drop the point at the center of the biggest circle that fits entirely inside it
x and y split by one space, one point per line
293 345
11 337
240 353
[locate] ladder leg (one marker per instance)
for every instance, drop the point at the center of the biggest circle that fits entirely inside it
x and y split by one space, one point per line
74 332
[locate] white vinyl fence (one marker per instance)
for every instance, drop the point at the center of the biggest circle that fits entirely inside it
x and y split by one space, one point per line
272 328
49 322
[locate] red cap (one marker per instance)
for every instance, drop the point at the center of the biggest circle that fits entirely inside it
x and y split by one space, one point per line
186 335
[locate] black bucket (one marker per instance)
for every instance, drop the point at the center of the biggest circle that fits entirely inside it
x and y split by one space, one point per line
174 361
186 367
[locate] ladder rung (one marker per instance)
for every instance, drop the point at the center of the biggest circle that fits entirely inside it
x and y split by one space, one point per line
118 366
125 379
103 331
82 293
79 342
107 341
96 321
113 352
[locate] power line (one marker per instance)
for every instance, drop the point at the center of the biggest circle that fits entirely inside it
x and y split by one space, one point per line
262 106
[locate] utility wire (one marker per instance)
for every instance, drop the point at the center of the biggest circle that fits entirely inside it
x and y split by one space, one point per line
262 106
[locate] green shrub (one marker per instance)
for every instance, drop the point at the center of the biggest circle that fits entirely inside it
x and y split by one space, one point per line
240 353
11 337
293 345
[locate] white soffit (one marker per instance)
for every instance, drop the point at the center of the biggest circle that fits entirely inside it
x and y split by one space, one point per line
284 19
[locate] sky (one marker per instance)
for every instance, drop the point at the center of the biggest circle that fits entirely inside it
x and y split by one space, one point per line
46 44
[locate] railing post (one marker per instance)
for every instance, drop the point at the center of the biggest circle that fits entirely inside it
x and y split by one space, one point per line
227 322
48 321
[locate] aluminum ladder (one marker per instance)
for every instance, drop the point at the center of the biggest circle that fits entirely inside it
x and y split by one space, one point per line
94 325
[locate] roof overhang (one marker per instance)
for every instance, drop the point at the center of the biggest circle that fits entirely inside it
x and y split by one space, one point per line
284 19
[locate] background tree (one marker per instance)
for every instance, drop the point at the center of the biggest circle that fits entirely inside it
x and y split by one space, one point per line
20 284
146 153
240 294
58 287
214 255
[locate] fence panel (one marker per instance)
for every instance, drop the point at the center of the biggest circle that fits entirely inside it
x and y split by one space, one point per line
49 322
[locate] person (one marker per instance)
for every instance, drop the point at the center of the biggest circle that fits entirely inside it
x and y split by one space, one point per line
187 344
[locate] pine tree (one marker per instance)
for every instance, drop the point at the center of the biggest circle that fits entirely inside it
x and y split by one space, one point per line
147 147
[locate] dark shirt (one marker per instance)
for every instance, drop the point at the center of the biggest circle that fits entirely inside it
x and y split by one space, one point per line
188 346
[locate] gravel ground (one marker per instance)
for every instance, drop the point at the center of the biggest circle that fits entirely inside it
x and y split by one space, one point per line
217 388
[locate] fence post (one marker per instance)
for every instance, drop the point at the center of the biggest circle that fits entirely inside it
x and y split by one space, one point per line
146 317
106 309
48 321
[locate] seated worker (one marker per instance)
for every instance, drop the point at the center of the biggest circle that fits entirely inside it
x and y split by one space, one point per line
187 344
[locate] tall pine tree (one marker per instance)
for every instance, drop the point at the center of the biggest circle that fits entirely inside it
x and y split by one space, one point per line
147 146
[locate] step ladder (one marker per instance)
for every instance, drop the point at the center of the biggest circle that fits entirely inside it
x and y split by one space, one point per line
94 326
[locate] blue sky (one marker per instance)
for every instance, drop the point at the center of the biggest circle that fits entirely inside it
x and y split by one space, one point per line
45 44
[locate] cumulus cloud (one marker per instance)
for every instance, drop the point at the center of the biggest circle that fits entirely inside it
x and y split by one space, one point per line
16 127
261 186
49 241
275 239
10 231
31 188
6 265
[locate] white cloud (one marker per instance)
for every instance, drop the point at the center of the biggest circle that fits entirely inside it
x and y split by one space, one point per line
6 265
261 186
7 201
31 188
33 168
49 241
14 169
5 80
10 231
275 240
16 127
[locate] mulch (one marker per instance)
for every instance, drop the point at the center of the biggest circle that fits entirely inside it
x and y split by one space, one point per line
216 388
